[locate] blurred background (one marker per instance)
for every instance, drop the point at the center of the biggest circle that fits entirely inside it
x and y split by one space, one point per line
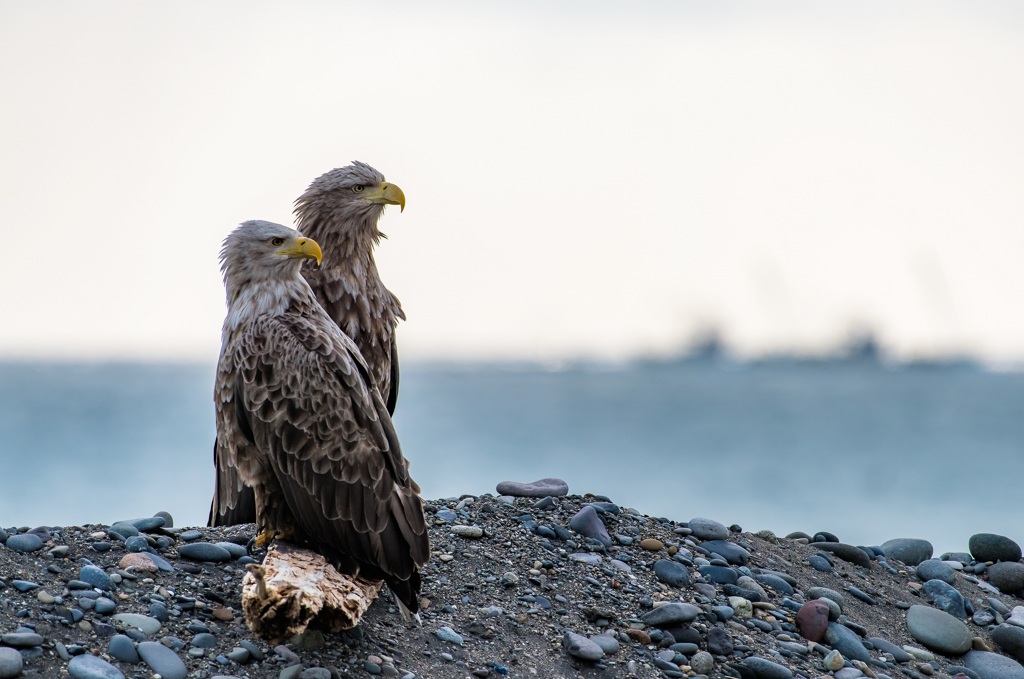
758 262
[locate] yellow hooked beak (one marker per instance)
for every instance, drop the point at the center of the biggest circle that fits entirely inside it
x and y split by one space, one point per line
303 247
385 194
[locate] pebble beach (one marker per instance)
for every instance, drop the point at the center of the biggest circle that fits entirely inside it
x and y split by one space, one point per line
530 581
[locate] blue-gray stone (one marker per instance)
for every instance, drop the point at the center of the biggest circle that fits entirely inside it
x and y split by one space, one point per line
819 563
144 623
96 577
945 597
236 551
147 524
124 530
11 663
541 488
253 649
3 536
775 582
846 641
854 555
588 524
670 614
962 557
862 595
204 551
708 529
938 630
609 644
1008 576
992 547
732 553
137 543
88 666
168 519
581 647
722 575
23 585
1010 640
448 634
25 542
934 569
989 665
910 551
105 606
239 655
161 562
446 515
736 590
604 507
21 639
162 660
190 535
123 648
100 546
672 573
766 669
886 646
158 610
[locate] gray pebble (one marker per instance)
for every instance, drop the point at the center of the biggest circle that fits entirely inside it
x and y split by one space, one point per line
672 573
144 623
993 547
204 551
204 640
910 551
541 488
21 639
946 597
470 532
236 551
448 634
934 569
25 542
846 641
938 630
588 523
239 655
1007 576
96 577
10 663
162 660
670 614
581 647
766 669
87 666
1010 640
190 535
122 648
989 665
708 529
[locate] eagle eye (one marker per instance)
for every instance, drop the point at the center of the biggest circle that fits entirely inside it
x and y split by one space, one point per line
358 188
276 242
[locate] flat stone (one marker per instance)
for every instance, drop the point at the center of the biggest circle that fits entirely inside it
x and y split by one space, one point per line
1007 576
910 551
989 665
812 620
722 575
235 550
993 547
934 569
846 641
946 597
672 573
162 660
1010 640
854 555
581 647
88 666
541 488
147 524
608 643
21 639
586 557
588 523
826 593
24 543
143 623
766 669
886 646
670 614
729 551
11 663
96 577
190 535
708 529
448 634
938 630
204 551
123 648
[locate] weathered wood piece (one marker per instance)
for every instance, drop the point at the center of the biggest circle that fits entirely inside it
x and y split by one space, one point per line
294 588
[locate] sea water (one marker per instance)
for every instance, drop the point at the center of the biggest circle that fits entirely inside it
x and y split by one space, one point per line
858 448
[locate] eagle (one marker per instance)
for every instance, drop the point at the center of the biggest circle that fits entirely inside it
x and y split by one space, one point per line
340 210
302 422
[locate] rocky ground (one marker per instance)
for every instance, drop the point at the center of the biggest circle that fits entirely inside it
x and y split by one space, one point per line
544 586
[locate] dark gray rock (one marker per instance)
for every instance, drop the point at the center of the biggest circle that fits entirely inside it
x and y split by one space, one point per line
719 642
21 639
766 669
854 555
946 597
147 524
776 582
204 551
11 663
910 551
137 543
588 524
1010 640
993 666
934 569
846 641
708 529
123 648
1008 576
162 660
541 488
819 563
105 606
826 593
672 573
607 642
722 575
886 646
96 577
24 543
239 655
938 630
670 614
190 535
581 647
992 547
87 666
729 551
204 640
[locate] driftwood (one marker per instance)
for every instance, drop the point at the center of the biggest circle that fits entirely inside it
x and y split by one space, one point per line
294 588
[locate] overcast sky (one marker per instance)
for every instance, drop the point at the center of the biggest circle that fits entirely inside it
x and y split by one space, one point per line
583 178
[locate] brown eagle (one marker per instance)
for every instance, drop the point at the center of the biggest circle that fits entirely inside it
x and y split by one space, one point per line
302 423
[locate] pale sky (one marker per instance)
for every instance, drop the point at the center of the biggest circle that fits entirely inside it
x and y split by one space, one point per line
583 178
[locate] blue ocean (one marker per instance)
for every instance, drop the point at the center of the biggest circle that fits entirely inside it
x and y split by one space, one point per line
863 449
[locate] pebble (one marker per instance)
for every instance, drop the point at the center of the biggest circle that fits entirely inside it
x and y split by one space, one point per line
123 648
672 573
1007 576
766 669
910 551
989 665
812 620
819 563
587 523
538 489
23 585
719 642
236 550
190 535
886 646
935 569
946 597
938 630
993 547
471 532
162 660
581 647
139 562
652 545
609 644
11 663
846 641
88 666
586 557
702 662
448 634
96 577
144 623
25 542
708 529
204 551
670 614
729 551
21 639
722 575
834 661
854 555
1010 640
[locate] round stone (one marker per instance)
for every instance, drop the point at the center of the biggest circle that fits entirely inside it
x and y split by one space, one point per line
989 665
992 547
708 529
105 606
88 666
541 488
239 655
25 542
934 569
96 577
812 620
910 551
719 642
886 646
162 660
1008 576
946 597
1010 640
190 535
204 551
938 630
204 640
123 648
588 523
581 647
235 550
10 663
672 573
652 544
702 662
